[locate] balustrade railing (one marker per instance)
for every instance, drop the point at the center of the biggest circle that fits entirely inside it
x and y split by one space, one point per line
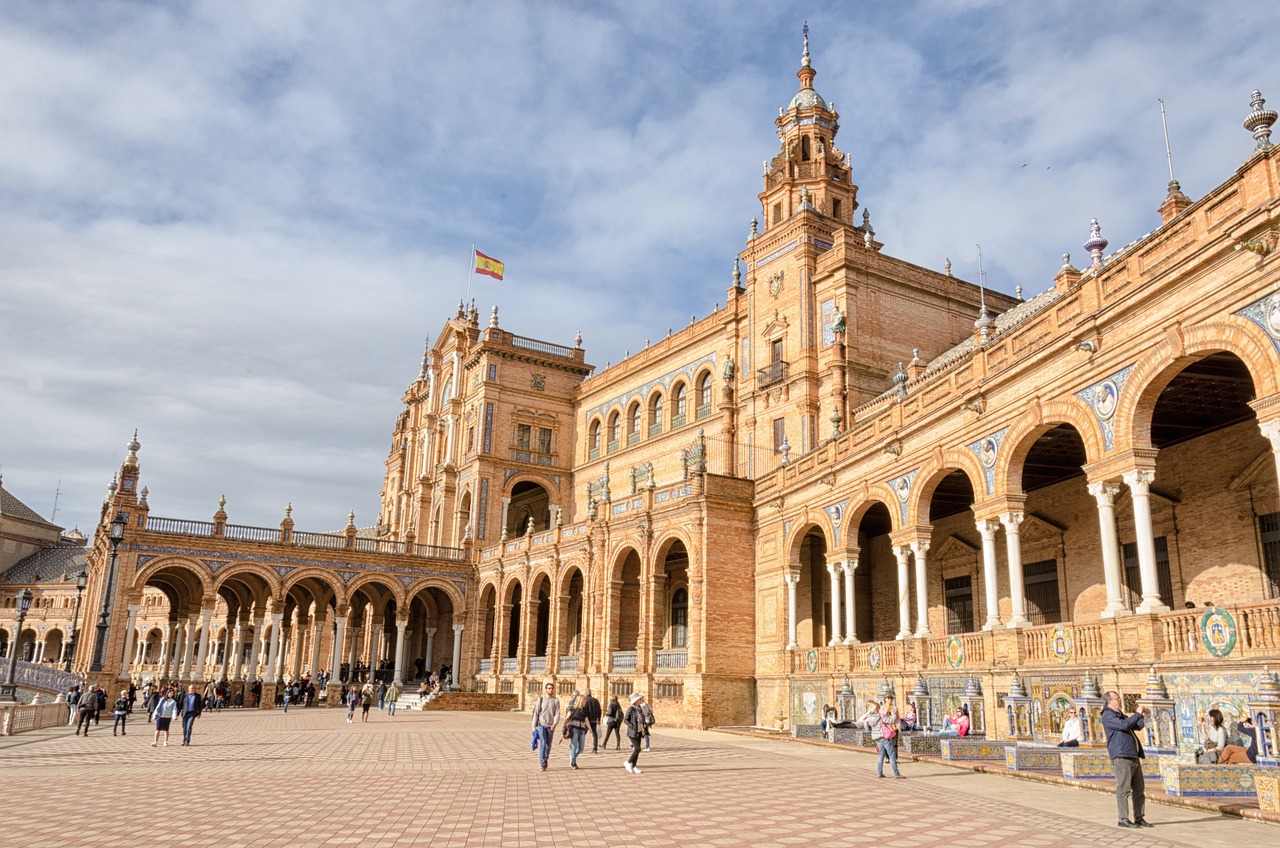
624 660
673 658
245 533
537 665
541 346
299 539
569 662
179 527
509 665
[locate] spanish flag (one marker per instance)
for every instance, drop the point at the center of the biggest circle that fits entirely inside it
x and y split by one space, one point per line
488 266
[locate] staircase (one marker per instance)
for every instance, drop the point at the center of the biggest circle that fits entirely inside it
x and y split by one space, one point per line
460 702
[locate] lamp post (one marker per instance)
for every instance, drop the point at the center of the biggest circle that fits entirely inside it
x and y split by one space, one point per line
82 580
114 536
9 689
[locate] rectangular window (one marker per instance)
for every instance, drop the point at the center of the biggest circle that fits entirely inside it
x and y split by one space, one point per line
779 433
959 596
1269 525
836 209
544 441
1133 573
523 434
775 350
1041 581
493 373
777 213
471 440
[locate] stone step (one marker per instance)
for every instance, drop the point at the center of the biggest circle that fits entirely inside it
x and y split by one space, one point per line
459 702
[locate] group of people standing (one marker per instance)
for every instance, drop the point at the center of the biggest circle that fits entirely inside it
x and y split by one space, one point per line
582 716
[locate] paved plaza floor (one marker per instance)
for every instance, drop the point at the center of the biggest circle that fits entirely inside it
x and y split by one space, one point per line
446 780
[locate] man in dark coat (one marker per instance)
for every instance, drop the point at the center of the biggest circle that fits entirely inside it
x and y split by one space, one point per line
1125 750
593 711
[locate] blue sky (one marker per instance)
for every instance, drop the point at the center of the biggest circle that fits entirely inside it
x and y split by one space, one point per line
231 225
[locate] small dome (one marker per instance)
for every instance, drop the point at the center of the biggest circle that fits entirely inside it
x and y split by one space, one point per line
807 98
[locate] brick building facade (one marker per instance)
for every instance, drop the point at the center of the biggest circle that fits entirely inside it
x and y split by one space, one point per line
856 474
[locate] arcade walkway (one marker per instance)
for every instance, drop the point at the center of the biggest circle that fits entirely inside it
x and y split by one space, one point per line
455 779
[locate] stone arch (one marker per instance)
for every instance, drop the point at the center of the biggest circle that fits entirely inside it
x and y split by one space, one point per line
446 588
1022 434
239 569
668 538
704 388
655 411
878 494
933 471
195 566
1237 336
324 576
816 520
394 588
619 559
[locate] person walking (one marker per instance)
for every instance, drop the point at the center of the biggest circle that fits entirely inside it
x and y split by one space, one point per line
192 705
1125 750
887 740
648 721
165 712
353 698
613 723
576 723
366 701
592 705
100 698
85 710
392 695
121 710
382 695
546 715
636 729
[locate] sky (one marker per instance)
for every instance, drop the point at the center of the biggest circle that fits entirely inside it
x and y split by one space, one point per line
231 225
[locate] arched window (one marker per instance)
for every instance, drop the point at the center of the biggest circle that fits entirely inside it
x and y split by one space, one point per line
704 394
679 619
615 430
593 439
678 405
633 423
655 415
806 152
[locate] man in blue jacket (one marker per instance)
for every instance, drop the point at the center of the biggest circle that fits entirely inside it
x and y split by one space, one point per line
191 705
1125 750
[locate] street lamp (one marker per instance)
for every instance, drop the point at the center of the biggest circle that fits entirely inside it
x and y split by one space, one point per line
115 535
9 689
82 580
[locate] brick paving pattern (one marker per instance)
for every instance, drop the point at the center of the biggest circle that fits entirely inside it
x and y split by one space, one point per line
459 779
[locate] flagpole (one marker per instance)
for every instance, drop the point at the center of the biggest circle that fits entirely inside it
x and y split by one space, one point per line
471 273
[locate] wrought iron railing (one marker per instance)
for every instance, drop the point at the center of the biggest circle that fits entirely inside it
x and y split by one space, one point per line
774 372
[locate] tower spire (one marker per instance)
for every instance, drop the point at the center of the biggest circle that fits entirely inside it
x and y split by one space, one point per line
984 323
804 58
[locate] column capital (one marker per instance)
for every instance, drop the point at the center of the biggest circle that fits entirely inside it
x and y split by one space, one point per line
834 567
1104 492
457 628
987 528
1011 521
901 552
792 578
849 566
920 547
1139 482
1271 430
431 631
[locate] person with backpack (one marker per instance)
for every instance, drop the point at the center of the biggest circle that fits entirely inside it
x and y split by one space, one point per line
613 724
121 710
546 715
637 727
887 742
648 721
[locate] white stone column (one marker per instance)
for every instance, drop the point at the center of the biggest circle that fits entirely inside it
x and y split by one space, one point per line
230 648
299 632
1271 429
901 553
1017 586
129 636
165 641
833 569
987 529
202 656
429 658
255 649
375 638
401 624
919 548
457 654
793 580
850 614
317 634
1139 483
339 634
1105 495
183 654
277 639
353 650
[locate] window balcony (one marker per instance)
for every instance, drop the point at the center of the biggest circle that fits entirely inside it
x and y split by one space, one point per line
624 660
774 372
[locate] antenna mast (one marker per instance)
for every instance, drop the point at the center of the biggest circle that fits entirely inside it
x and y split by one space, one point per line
56 496
1167 151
